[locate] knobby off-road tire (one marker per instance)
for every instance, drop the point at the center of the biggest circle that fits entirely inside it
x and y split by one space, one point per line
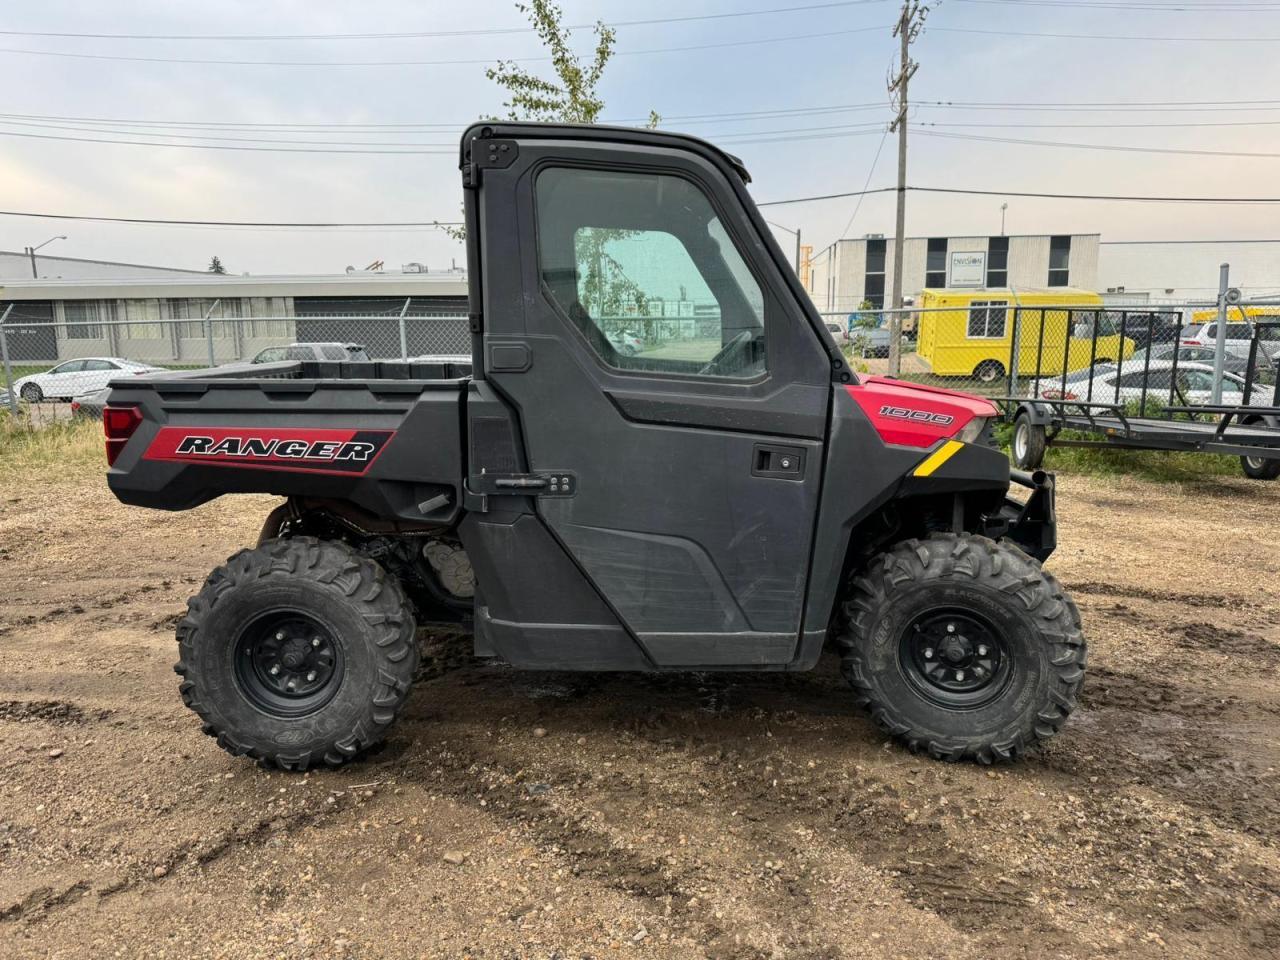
296 653
936 603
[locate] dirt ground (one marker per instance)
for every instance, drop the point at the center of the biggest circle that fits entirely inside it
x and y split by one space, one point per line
626 816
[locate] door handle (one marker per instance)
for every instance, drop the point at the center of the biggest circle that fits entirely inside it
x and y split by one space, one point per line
777 462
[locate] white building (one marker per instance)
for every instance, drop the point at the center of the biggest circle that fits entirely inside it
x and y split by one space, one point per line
162 318
849 272
1140 271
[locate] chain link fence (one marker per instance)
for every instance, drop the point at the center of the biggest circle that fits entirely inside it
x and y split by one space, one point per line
979 344
970 342
58 370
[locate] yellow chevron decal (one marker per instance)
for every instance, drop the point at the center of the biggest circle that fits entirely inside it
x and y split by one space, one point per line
937 458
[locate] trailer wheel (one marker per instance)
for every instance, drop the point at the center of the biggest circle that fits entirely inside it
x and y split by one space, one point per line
962 648
1260 468
296 653
1028 442
989 371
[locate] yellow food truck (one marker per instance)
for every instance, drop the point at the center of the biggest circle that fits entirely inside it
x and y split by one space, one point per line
969 333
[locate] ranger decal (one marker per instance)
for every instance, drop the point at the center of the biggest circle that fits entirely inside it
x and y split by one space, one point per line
315 450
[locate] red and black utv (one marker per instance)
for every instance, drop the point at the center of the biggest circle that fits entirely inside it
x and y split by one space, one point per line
655 458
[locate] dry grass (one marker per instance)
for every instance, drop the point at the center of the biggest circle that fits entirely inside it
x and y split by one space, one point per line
70 447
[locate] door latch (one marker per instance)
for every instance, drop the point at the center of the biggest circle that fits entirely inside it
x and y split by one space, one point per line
776 462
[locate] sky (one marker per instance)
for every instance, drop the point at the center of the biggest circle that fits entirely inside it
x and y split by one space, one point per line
816 71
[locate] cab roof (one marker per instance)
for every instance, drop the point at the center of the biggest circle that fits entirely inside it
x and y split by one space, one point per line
512 129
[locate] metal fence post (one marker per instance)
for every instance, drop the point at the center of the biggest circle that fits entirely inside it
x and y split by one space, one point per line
1015 351
404 339
208 331
895 343
1220 345
8 368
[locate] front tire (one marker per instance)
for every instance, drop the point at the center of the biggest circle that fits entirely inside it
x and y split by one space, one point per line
297 653
31 393
962 648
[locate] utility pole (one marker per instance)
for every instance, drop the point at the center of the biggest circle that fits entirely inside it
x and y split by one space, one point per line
910 23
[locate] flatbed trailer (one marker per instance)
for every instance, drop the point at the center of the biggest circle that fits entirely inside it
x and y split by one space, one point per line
1251 433
1249 430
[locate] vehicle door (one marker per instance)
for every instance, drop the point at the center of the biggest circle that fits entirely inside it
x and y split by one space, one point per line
688 470
61 380
95 375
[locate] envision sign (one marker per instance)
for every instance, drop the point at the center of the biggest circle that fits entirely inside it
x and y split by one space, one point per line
968 269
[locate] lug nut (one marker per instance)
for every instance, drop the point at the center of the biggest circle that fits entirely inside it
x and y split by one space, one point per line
315 641
959 675
275 669
279 634
928 653
982 649
311 676
951 628
979 672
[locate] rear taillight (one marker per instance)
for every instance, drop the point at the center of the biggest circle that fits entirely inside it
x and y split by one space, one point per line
75 406
119 423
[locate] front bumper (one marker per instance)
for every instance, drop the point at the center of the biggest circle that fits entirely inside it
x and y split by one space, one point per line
1032 525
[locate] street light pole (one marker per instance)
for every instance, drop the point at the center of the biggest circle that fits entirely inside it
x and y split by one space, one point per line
1003 208
797 233
31 252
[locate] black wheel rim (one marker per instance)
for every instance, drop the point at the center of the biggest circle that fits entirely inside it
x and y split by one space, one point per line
288 663
955 658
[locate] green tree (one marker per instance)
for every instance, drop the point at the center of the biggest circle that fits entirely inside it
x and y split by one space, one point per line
215 265
571 96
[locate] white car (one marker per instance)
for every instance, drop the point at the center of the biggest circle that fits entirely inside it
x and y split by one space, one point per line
75 378
1238 340
1124 384
627 344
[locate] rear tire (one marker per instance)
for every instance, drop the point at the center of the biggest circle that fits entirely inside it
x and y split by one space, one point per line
1028 443
962 648
297 652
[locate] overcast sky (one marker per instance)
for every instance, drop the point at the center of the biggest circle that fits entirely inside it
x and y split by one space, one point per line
798 152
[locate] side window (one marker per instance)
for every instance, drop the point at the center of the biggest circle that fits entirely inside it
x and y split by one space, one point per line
1155 380
71 366
643 267
986 318
299 353
270 355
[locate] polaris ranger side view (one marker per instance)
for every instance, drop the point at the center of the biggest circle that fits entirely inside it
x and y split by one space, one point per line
656 459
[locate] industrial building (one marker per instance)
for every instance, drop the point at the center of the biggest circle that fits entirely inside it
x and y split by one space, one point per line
850 273
175 318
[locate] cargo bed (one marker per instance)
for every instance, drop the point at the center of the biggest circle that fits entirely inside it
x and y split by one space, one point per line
297 428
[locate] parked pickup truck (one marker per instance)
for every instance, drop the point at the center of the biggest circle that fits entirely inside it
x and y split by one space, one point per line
728 495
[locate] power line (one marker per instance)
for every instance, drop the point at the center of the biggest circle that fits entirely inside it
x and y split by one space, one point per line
230 223
1104 126
1117 148
428 34
1106 36
1024 193
1148 7
442 151
428 63
870 173
691 118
